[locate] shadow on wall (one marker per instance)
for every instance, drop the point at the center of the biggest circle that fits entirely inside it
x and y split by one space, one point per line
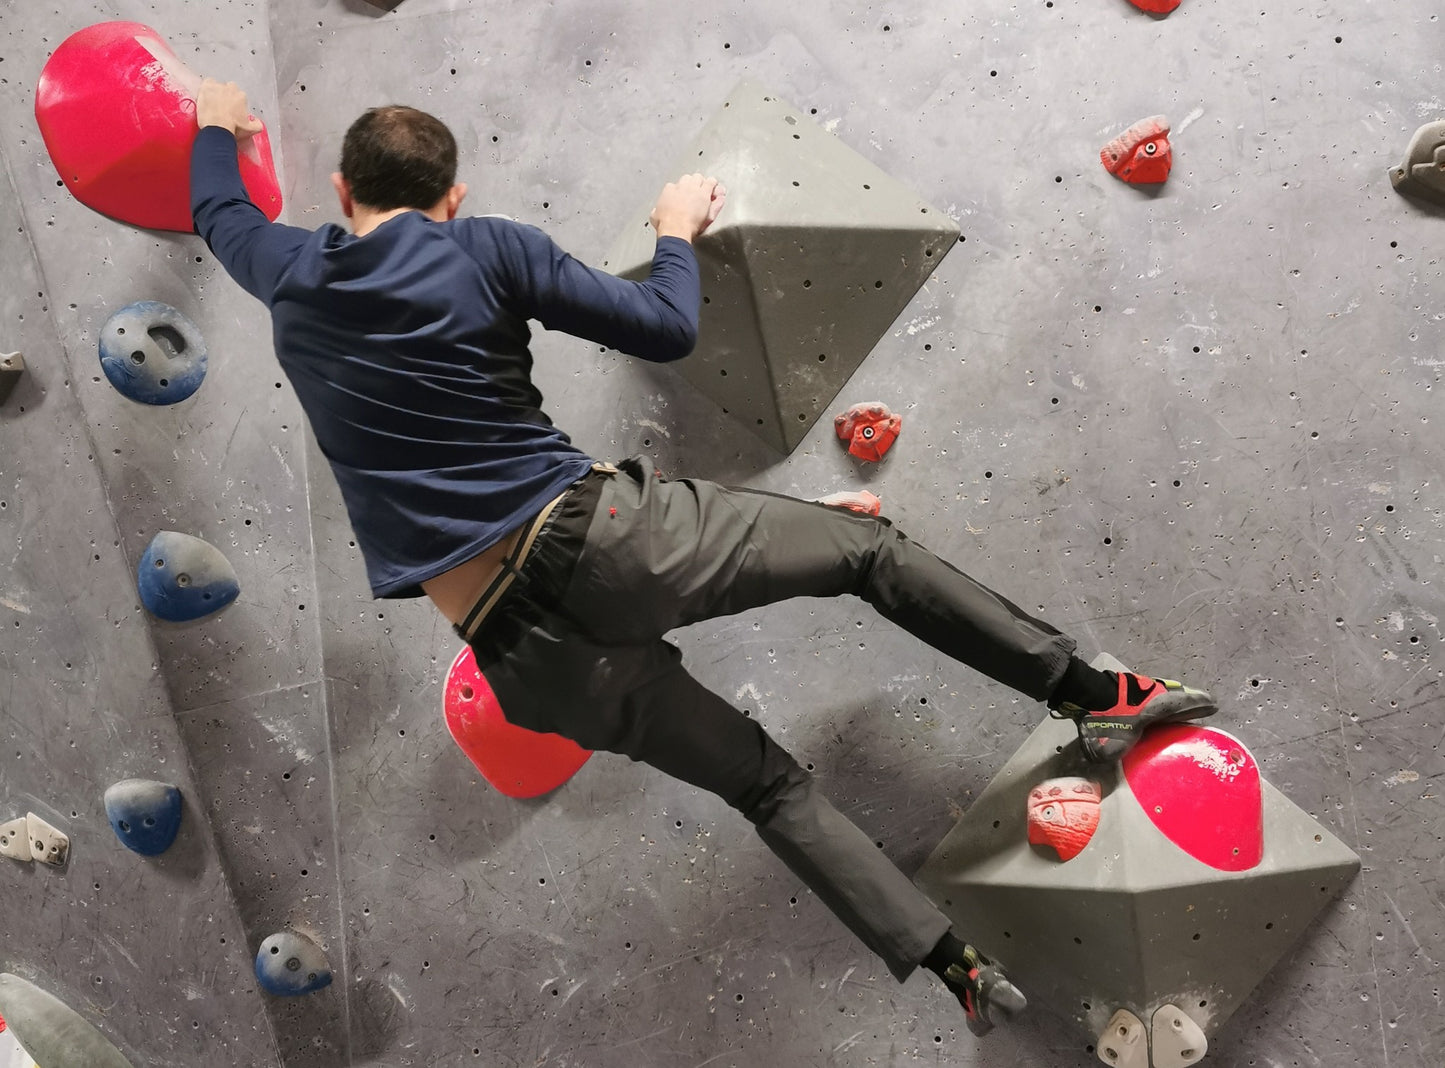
374 8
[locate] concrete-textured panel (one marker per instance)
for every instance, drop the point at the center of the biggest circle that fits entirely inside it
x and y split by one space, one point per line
1193 426
226 465
82 706
263 774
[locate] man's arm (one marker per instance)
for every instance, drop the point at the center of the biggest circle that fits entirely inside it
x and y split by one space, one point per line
253 250
656 318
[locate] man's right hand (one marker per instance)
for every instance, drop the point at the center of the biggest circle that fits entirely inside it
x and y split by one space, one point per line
688 206
223 104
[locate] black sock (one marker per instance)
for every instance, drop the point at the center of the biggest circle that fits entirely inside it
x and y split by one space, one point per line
948 951
1086 687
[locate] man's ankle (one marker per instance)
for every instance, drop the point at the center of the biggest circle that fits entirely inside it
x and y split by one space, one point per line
1085 687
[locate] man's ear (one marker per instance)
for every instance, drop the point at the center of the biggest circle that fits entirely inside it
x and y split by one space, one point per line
455 195
343 194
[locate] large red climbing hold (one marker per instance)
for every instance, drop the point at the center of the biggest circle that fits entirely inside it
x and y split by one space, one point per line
518 762
1141 154
1064 814
869 429
1156 7
1200 786
117 110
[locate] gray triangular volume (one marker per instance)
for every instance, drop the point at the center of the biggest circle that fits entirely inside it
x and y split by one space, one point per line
1131 921
814 257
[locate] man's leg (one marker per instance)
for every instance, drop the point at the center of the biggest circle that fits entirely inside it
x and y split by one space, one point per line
639 701
689 550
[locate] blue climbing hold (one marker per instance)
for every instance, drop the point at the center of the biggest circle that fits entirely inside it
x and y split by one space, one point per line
183 578
152 353
289 964
144 814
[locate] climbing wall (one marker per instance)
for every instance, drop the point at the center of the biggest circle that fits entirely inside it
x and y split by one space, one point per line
1192 425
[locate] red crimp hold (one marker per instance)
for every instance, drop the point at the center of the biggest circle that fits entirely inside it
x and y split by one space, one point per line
1156 7
1063 814
1141 154
855 501
869 429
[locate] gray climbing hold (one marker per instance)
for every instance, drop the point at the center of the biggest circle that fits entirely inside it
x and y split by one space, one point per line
807 267
15 840
182 578
290 964
47 844
145 815
1423 172
12 366
50 1031
152 353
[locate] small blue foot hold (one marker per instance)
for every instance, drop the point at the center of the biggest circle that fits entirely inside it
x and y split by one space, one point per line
144 814
152 353
182 578
289 964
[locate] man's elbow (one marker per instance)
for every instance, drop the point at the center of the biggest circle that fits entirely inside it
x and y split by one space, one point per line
675 344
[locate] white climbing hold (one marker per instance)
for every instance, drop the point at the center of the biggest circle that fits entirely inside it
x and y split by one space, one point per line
1122 1043
47 845
15 840
1178 1040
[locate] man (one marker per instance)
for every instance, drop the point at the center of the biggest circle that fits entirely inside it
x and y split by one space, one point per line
407 343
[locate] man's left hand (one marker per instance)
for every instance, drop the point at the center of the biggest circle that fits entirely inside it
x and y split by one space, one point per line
224 104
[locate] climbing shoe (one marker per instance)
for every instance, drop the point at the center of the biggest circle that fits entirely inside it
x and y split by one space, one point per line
1108 734
984 991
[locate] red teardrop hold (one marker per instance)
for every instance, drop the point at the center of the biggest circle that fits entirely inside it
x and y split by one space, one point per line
518 762
1201 788
117 110
1156 7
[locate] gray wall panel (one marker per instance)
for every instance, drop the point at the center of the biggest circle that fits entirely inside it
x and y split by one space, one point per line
150 950
1289 569
227 464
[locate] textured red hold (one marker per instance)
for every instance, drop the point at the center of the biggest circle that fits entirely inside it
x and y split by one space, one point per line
1156 7
869 429
1141 154
1063 814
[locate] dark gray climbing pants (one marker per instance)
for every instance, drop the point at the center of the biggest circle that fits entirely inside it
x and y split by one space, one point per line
575 647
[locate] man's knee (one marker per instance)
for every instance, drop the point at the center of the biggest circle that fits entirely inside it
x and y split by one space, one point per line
780 780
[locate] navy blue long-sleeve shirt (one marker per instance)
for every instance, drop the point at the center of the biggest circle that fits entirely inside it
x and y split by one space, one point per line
408 349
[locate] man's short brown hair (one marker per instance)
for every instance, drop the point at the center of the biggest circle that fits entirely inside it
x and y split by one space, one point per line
398 157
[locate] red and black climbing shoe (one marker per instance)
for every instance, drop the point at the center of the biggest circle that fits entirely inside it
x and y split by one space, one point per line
984 991
1108 734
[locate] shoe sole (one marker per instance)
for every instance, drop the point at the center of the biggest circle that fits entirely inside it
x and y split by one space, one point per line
1184 715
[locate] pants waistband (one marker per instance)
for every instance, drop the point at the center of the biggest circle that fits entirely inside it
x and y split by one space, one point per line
509 569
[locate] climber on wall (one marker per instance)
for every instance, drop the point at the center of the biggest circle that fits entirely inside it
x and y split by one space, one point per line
406 340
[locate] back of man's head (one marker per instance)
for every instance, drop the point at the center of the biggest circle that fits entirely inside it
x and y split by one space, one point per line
398 157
